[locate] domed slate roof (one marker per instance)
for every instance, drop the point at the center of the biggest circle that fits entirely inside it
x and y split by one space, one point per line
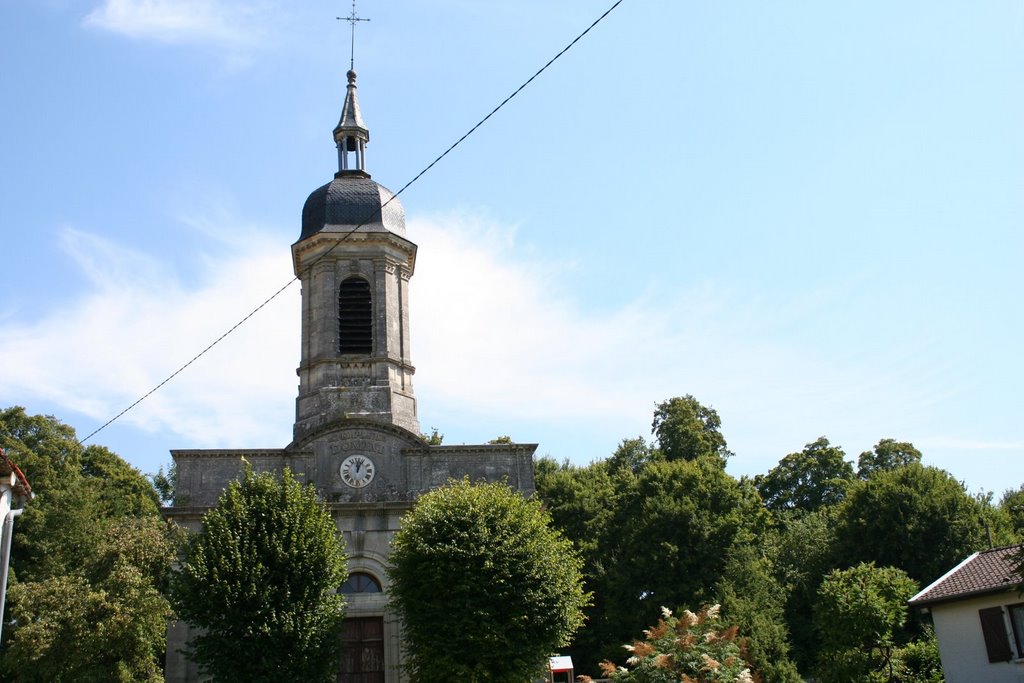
352 199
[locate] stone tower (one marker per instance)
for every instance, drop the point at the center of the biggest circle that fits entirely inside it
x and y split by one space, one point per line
354 263
356 435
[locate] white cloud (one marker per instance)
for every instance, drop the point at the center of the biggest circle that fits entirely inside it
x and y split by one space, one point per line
218 22
496 338
137 323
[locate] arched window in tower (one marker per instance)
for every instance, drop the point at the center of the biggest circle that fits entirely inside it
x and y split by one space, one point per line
355 317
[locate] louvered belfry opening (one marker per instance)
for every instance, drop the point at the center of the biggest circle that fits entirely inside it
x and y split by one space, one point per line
355 317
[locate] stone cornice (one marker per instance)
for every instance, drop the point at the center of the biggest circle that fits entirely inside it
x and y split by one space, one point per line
357 362
326 239
475 449
179 512
229 452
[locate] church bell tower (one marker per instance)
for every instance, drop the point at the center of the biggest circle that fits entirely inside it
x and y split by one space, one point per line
354 263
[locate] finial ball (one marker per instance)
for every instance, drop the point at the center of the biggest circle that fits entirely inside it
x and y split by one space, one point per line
351 76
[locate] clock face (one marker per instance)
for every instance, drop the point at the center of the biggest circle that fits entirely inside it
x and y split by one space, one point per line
357 471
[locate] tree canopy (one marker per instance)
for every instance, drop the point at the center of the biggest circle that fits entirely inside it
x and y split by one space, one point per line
90 560
888 454
261 581
916 518
1012 503
858 613
815 477
486 589
667 525
687 430
668 542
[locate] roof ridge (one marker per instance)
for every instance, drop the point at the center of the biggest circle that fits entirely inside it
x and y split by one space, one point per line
985 571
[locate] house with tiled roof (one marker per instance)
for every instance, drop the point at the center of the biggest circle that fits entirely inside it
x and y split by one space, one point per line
978 613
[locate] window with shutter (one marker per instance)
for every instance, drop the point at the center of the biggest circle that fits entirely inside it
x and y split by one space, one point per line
355 317
993 627
1017 622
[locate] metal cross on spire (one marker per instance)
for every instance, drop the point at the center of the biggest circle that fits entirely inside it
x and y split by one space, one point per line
352 19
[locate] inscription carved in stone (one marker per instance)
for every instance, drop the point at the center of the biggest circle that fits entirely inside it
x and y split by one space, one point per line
358 441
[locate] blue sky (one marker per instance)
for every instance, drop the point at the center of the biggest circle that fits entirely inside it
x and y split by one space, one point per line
805 214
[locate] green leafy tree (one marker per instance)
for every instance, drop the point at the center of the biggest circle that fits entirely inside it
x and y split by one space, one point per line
997 521
485 587
694 648
107 622
802 548
687 430
919 519
41 445
582 502
90 560
260 580
888 454
633 455
753 599
859 614
918 661
434 438
165 481
669 541
1012 503
579 500
813 478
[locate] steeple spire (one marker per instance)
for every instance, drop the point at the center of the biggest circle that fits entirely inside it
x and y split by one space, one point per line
351 135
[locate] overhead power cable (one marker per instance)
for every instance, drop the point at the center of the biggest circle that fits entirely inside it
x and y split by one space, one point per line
348 234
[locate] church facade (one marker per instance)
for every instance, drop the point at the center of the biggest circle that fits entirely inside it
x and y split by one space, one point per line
357 435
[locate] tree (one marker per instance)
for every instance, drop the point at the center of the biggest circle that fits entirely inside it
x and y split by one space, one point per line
260 580
752 599
41 445
802 554
582 502
919 661
919 519
486 589
579 500
633 454
698 648
1012 503
686 430
858 615
815 477
165 482
669 541
107 622
888 454
91 557
434 438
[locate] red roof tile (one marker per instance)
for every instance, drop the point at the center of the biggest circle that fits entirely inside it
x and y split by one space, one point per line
990 571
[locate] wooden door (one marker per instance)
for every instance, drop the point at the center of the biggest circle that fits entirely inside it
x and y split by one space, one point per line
362 651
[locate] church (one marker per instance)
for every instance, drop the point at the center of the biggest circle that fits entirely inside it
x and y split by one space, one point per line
356 436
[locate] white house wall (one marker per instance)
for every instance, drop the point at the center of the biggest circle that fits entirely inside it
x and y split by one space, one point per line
962 645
